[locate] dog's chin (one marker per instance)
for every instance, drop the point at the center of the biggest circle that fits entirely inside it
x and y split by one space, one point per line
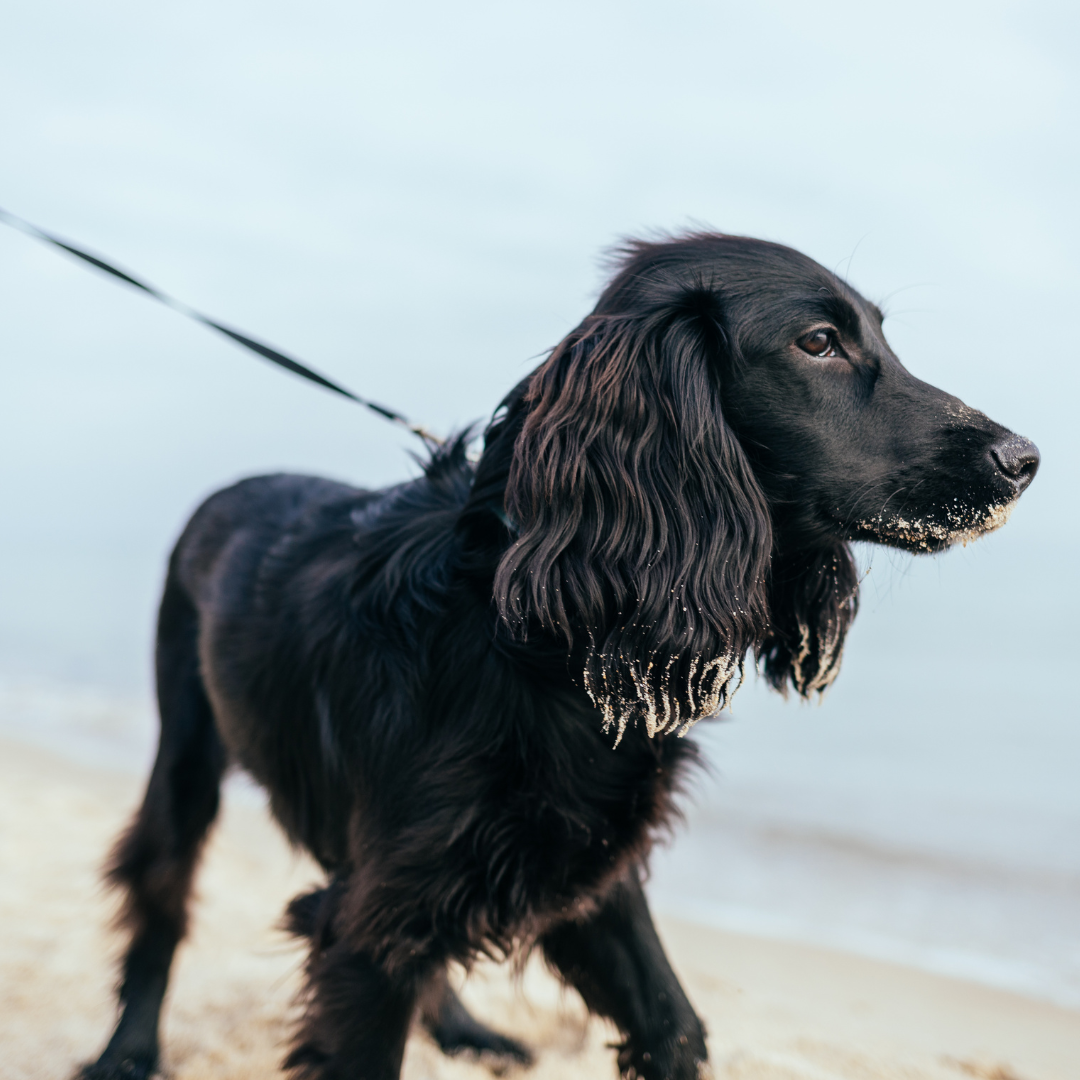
934 530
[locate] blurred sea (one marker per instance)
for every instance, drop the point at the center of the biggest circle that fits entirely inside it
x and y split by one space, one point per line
926 812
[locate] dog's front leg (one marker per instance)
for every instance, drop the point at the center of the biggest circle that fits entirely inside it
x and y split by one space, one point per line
616 962
357 1019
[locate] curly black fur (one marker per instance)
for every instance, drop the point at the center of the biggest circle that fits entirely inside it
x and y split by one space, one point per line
463 694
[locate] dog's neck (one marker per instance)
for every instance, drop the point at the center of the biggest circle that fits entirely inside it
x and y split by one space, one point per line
488 497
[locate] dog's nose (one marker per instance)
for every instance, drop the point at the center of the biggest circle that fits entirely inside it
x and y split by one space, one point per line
1018 458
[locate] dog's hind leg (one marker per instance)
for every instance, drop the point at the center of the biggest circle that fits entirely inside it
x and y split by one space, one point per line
154 860
456 1030
441 1012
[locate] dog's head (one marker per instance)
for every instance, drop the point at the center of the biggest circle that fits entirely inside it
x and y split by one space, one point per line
693 459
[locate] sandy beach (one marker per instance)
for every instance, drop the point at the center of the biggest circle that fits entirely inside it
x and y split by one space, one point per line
775 1011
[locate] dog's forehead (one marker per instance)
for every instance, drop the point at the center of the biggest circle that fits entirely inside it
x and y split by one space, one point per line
778 296
760 271
760 283
765 269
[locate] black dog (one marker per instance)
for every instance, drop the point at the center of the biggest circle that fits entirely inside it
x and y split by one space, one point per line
463 694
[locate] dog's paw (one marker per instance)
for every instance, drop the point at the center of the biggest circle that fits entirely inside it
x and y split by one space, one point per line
681 1059
497 1052
504 1052
130 1067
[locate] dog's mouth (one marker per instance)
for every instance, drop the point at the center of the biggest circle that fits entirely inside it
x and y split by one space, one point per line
935 530
953 503
965 489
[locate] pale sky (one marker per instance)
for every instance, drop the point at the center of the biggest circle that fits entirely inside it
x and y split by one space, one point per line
414 198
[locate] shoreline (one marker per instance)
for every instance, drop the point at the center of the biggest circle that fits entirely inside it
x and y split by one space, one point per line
956 885
776 1010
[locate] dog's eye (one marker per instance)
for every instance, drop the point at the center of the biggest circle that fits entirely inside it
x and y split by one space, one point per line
820 343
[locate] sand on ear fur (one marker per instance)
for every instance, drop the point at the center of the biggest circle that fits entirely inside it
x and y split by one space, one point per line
706 689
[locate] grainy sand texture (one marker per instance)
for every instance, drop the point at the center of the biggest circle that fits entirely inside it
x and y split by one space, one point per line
775 1011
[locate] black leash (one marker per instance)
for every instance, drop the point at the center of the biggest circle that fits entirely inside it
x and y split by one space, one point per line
265 351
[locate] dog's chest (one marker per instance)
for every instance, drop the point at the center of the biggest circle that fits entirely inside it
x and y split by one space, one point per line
581 814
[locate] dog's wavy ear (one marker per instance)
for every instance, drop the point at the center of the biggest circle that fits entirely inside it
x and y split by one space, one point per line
643 536
813 599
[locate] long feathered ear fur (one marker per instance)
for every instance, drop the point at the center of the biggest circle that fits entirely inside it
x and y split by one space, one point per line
644 538
813 599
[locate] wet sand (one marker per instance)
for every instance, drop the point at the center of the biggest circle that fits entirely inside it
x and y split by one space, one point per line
775 1011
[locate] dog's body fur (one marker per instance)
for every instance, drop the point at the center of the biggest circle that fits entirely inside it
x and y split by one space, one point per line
463 694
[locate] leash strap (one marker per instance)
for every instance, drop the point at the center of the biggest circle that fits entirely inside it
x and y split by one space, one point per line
265 351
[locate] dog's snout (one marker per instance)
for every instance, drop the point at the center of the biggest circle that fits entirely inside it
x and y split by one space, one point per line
1018 458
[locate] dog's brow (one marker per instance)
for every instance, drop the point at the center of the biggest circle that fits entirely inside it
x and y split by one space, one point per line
839 309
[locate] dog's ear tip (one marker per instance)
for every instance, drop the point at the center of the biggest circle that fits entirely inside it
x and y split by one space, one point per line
812 603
